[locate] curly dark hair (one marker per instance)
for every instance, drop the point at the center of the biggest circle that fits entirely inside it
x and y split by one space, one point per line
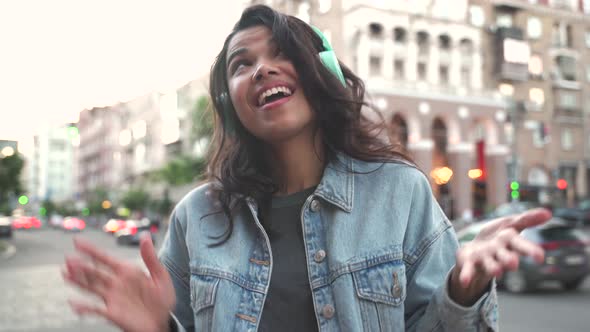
237 166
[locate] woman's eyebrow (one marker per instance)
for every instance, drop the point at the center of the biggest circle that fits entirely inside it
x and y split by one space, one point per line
235 53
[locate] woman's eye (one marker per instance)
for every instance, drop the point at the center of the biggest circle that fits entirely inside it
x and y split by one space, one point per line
238 64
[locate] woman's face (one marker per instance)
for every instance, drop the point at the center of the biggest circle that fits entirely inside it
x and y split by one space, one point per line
264 88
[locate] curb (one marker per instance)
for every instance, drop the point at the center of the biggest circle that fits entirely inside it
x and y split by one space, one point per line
9 252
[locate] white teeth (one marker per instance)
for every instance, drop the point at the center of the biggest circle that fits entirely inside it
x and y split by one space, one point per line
285 90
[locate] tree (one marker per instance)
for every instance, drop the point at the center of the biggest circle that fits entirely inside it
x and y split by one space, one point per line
136 200
182 170
201 119
10 185
95 199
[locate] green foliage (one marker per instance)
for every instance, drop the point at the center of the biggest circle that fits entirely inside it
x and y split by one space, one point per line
182 170
10 185
95 199
136 199
49 206
201 119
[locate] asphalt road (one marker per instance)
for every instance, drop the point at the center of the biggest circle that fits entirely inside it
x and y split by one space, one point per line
34 297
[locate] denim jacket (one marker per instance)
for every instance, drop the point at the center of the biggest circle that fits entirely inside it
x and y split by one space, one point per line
379 251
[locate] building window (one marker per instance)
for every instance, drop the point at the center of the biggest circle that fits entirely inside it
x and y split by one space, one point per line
565 67
567 139
504 20
398 68
539 135
568 100
324 6
535 66
534 27
400 35
476 16
423 42
506 89
466 77
421 71
303 12
444 42
537 96
376 30
375 66
443 73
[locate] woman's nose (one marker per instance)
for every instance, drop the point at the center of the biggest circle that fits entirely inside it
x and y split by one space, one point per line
263 70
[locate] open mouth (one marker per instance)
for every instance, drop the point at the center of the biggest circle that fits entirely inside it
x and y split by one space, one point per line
274 94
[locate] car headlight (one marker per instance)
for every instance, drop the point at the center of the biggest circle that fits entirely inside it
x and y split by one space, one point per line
4 222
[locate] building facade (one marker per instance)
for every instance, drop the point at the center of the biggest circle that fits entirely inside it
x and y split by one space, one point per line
422 65
540 60
51 169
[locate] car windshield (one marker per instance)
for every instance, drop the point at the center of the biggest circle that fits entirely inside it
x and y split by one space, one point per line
584 205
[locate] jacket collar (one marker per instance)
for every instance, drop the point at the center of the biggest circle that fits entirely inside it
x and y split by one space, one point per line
337 184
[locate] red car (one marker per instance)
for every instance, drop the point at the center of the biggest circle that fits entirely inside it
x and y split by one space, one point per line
26 223
73 224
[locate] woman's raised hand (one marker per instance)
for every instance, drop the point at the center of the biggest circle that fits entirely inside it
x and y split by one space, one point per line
133 300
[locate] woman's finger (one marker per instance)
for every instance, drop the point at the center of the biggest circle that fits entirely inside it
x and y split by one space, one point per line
83 309
490 266
148 254
89 278
507 258
467 273
525 247
96 254
531 218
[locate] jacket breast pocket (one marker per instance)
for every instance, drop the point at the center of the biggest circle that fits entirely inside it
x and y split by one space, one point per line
203 292
381 290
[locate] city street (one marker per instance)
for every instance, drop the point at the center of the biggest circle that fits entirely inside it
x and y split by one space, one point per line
34 295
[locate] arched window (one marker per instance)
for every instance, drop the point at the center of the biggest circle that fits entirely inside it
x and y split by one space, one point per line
423 40
466 47
376 30
400 35
444 42
399 130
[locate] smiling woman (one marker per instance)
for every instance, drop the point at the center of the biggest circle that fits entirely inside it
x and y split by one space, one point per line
308 220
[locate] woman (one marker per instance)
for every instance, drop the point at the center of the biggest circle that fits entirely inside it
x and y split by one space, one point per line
301 188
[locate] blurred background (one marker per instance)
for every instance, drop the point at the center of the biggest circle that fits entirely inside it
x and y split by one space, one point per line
104 127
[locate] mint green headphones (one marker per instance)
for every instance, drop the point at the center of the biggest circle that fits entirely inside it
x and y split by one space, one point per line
328 57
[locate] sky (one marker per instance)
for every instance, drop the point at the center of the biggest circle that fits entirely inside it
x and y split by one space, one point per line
58 57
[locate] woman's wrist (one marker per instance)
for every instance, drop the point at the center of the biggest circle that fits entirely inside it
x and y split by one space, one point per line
467 296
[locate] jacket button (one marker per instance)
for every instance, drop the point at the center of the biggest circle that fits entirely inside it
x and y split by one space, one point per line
315 205
328 311
319 256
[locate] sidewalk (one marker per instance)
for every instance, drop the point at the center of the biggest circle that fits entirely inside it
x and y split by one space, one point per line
7 250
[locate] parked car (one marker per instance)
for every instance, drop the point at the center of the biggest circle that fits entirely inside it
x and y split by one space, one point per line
132 230
113 225
5 226
73 224
26 222
567 256
56 221
579 215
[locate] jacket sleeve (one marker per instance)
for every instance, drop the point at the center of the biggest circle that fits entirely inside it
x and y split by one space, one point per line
430 256
174 256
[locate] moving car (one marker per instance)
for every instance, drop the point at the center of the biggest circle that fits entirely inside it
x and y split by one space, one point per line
26 222
5 227
113 225
567 256
132 230
73 224
579 215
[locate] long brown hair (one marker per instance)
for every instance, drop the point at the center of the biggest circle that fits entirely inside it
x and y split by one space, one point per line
237 167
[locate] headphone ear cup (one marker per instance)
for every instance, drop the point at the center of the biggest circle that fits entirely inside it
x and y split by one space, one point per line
330 60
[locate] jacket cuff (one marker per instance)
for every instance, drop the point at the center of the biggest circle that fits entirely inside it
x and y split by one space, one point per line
175 325
483 314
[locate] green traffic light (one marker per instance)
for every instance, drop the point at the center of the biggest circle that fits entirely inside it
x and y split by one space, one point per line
85 212
515 194
23 200
514 185
73 132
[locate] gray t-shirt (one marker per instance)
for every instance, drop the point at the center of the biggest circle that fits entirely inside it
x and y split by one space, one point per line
289 303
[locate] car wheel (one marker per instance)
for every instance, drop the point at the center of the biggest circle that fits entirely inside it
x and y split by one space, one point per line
573 284
515 282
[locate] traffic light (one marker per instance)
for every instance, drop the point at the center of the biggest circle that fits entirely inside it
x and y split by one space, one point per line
514 186
561 184
23 200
